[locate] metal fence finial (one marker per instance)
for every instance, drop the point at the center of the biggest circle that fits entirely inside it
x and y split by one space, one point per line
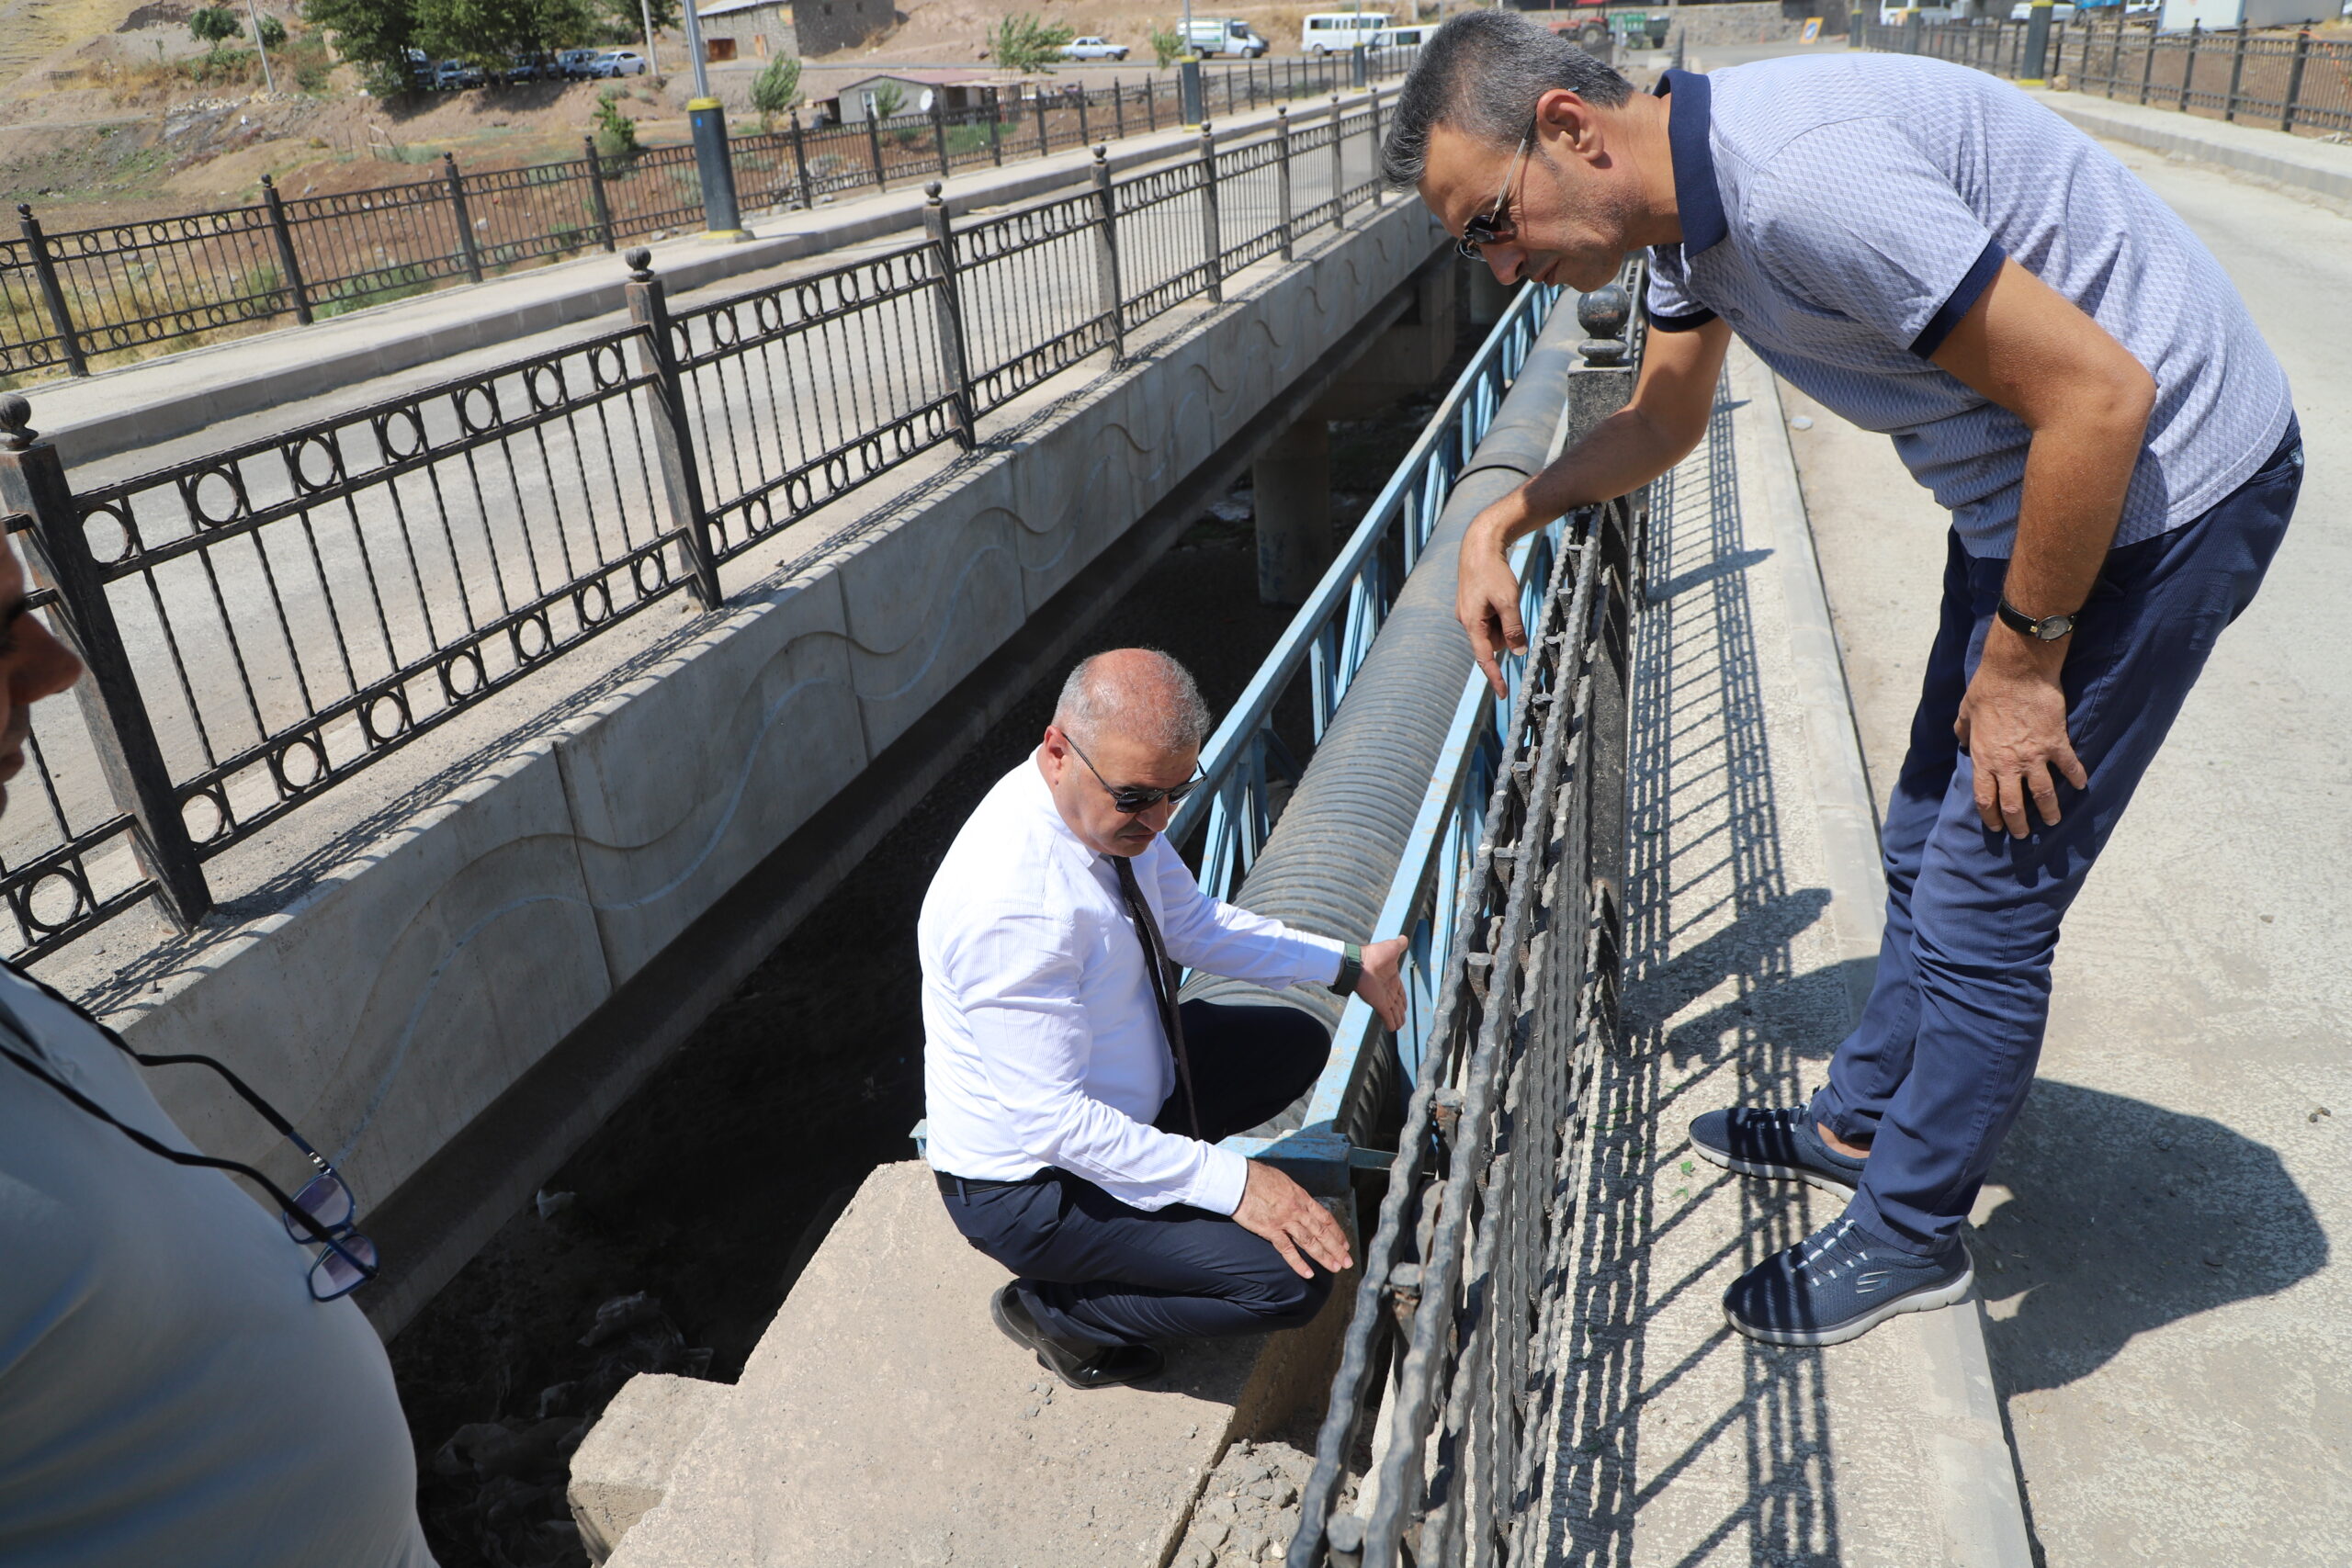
16 432
1604 313
930 193
641 265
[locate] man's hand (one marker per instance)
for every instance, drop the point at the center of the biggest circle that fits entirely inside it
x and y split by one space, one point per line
1381 986
1277 1208
1486 597
2013 724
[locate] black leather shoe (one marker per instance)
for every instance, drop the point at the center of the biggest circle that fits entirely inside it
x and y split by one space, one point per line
1079 1365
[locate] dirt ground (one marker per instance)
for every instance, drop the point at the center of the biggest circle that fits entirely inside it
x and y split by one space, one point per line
686 1218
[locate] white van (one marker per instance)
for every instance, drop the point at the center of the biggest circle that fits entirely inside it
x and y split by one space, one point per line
1401 37
1224 35
1334 32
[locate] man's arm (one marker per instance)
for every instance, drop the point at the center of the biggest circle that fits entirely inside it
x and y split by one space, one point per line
2086 400
1672 397
1202 933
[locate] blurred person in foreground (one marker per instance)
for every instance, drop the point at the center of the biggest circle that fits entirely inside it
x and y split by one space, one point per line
1075 1106
1927 252
183 1379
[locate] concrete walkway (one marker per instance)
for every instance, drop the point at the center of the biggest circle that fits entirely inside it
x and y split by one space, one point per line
2172 1346
1755 897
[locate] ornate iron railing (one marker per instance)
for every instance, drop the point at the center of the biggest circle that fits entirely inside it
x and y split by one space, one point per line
2294 81
264 622
67 298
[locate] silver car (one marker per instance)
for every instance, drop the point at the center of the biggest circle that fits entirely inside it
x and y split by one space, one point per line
1094 49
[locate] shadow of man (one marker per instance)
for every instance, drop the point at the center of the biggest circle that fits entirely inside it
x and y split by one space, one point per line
2125 1217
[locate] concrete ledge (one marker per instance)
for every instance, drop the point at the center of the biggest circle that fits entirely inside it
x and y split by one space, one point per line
122 410
2297 163
883 1420
622 1469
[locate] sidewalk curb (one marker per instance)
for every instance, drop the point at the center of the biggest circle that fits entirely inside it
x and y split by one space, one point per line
2281 166
1984 1516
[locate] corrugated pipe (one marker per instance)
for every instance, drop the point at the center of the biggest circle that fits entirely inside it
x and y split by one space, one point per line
1328 865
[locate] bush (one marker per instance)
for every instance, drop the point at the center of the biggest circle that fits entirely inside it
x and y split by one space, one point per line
615 132
1167 46
272 33
889 101
1023 43
775 89
215 25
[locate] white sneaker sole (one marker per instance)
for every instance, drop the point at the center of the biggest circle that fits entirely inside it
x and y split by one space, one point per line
1854 1328
1822 1179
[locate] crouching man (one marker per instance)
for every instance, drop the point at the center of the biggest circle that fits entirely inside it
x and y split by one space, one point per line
1075 1107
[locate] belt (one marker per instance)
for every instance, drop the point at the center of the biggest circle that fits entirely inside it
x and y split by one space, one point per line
964 1186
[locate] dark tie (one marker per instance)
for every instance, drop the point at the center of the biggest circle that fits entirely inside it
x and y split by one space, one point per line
1163 979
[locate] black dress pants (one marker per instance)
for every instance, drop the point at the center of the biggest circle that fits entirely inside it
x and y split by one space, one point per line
1094 1270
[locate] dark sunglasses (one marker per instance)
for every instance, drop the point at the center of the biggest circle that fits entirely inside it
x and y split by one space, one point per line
1483 229
323 1215
1129 801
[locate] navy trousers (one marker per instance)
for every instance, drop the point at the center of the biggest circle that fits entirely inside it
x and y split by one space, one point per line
1094 1270
1939 1067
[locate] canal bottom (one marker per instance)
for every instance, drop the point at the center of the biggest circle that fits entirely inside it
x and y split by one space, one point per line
669 1240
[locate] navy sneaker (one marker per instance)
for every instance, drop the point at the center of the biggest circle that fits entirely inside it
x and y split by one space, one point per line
1839 1284
1783 1144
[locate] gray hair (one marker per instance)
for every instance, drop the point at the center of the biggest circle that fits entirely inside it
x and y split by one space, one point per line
1136 691
1481 73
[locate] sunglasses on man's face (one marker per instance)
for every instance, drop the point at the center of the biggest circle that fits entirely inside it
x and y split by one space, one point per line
1132 800
1489 225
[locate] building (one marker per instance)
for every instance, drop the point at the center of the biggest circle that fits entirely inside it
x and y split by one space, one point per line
763 30
913 92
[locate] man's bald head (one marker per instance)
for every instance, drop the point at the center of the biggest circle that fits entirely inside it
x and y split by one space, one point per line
1137 693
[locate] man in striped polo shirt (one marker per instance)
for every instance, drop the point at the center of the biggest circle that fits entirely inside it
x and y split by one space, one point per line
1931 253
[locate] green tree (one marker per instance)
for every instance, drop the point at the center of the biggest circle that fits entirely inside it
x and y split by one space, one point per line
889 100
1167 46
775 89
1023 43
615 132
214 25
375 35
490 33
272 33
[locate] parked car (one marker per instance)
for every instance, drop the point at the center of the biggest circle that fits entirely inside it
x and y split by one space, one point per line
530 68
1401 37
452 74
1336 32
1225 35
574 63
1094 49
617 63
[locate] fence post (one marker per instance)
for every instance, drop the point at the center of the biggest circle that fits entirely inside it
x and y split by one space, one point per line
1379 195
2189 65
32 479
1118 111
287 264
1151 106
939 131
2148 66
1085 131
948 304
673 442
2237 73
996 127
1106 257
1044 144
1281 178
466 247
800 165
1211 238
52 294
873 144
2295 79
599 203
1338 169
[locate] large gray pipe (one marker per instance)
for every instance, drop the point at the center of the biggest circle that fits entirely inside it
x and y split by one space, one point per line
1328 865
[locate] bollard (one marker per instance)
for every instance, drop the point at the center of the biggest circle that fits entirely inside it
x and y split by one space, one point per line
2035 70
1359 69
720 218
1188 90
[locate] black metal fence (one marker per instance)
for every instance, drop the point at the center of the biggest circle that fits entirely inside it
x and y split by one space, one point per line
67 299
1460 1307
265 622
2296 82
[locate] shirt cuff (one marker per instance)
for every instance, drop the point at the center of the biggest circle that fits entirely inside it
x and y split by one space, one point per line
1224 1174
1318 956
1963 298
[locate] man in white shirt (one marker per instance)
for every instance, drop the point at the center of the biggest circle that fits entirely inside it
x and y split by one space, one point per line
1075 1109
173 1389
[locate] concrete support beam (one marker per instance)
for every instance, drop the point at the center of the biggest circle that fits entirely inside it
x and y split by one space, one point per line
1292 480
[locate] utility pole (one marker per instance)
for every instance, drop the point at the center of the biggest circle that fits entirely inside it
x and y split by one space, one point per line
652 61
693 47
268 78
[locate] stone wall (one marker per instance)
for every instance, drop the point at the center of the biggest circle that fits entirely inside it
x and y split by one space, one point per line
825 26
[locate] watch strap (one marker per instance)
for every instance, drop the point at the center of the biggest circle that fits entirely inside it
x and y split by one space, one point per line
2049 629
1350 970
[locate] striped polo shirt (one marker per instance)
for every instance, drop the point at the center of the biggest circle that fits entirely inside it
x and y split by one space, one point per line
1842 213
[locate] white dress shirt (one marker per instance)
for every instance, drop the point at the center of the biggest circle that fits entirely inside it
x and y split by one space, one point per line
1043 1043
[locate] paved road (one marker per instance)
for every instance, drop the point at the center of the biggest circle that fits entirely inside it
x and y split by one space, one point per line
2174 1348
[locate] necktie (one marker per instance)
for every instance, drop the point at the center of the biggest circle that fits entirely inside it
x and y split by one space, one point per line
1163 979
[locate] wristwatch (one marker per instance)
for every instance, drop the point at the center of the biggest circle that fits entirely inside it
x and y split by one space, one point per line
2050 628
1350 971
